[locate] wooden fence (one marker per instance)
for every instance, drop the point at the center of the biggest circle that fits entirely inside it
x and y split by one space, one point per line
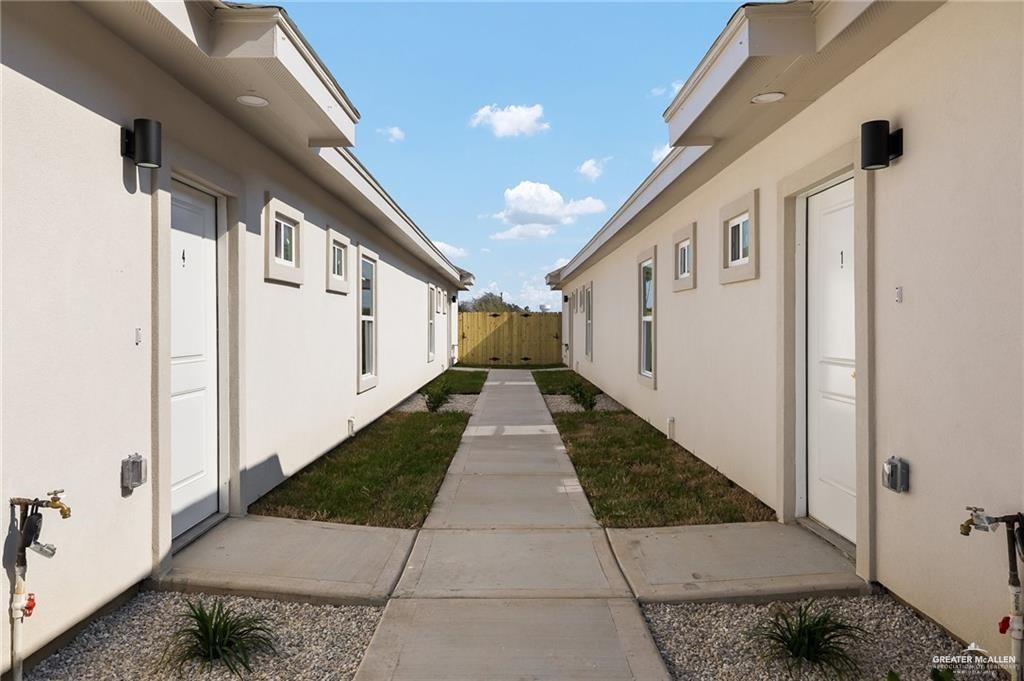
510 338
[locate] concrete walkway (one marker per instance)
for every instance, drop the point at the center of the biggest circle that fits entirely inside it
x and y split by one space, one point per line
511 577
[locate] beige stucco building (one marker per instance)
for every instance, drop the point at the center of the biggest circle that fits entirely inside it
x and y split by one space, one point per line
807 319
229 316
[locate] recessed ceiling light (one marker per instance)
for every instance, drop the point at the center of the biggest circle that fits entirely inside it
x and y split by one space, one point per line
767 97
252 100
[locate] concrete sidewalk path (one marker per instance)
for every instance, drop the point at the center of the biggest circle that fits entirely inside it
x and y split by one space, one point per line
747 562
511 577
293 560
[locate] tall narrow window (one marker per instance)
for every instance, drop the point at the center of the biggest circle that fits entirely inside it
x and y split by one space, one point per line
431 294
284 242
588 304
647 317
368 317
739 240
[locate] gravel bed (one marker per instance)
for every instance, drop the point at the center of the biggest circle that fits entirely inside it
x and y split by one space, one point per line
314 641
709 640
455 403
563 403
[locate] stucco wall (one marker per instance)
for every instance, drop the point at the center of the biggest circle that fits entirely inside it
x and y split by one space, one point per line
949 372
77 259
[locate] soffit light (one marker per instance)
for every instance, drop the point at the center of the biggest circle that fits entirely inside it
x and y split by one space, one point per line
767 97
252 99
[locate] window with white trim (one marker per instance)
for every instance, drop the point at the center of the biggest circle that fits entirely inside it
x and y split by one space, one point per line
684 259
646 281
588 310
284 241
367 316
739 239
338 252
431 316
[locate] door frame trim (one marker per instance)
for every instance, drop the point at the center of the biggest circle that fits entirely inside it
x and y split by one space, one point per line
826 170
184 166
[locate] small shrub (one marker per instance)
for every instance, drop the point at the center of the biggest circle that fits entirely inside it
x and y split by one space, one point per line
218 635
583 393
436 394
806 636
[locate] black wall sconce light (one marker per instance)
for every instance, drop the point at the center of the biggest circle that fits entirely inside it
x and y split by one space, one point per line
565 299
455 298
878 146
142 144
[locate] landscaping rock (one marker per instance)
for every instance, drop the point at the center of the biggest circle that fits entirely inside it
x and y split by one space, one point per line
415 402
705 641
565 403
314 641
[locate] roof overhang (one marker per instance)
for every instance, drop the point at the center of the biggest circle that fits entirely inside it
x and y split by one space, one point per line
220 51
800 48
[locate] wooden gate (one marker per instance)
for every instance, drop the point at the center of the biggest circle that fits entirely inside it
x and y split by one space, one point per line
510 338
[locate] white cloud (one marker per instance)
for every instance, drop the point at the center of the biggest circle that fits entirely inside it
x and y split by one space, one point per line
512 120
593 168
451 252
560 262
393 133
485 250
675 86
659 153
535 203
524 232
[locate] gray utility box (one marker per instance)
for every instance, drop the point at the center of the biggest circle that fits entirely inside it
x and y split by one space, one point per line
133 473
896 474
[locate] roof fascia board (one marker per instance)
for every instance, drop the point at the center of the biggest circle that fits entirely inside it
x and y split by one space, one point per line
674 165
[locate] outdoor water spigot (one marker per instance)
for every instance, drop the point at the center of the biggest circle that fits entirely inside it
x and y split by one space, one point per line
978 521
55 502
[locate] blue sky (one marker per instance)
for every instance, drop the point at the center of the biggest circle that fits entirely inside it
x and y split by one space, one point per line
480 118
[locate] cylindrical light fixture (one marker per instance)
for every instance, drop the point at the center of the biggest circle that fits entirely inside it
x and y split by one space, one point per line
143 143
878 146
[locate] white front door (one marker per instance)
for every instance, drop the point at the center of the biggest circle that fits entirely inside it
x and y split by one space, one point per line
831 353
194 458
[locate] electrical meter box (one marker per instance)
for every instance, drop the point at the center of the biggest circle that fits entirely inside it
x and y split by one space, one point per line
896 474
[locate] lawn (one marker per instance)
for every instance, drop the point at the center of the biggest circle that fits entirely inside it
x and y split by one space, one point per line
636 477
387 475
512 366
556 382
461 382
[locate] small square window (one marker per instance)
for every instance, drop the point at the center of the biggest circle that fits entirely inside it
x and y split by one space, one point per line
739 240
284 242
683 259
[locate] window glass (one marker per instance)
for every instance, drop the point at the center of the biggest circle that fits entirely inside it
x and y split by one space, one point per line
367 286
367 364
338 261
284 238
684 258
647 288
739 239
